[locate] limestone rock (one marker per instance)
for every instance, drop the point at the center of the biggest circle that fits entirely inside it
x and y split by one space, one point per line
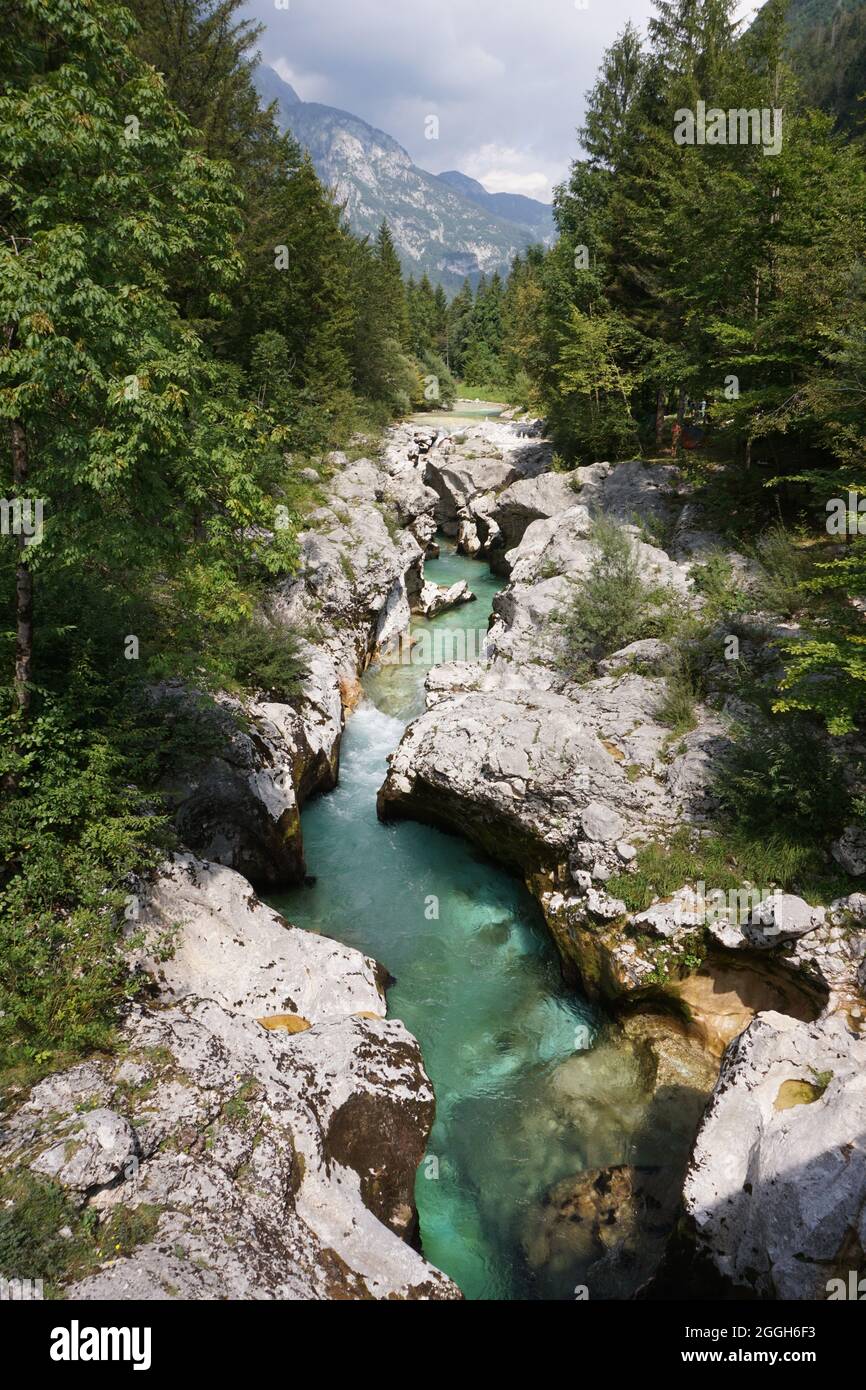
650 655
782 915
599 822
434 598
224 944
529 500
776 1193
279 1153
92 1150
849 850
282 1166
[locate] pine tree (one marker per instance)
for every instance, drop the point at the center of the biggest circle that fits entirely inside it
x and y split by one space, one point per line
391 288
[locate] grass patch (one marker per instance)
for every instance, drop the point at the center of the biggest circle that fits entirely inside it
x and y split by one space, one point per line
655 530
496 395
33 1212
677 709
726 861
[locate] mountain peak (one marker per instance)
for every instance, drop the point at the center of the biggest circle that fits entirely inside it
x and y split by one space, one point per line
448 227
271 87
525 212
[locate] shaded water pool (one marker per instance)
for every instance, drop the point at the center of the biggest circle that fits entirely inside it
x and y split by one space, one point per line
527 1093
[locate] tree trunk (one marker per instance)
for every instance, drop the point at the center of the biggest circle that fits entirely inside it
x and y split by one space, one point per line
23 579
660 417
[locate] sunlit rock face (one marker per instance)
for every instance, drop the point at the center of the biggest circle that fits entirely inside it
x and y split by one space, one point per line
776 1190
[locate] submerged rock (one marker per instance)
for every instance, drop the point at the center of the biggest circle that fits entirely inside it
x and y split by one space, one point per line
605 1228
638 1097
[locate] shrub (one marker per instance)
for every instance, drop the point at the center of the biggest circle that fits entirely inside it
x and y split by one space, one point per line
258 656
433 366
784 568
72 831
783 776
522 391
613 605
717 585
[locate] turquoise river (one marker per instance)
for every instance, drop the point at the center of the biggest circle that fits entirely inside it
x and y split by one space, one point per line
528 1088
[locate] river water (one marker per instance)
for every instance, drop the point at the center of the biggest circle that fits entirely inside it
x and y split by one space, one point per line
528 1091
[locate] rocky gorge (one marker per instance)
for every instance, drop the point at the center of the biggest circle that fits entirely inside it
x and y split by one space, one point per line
263 1107
564 781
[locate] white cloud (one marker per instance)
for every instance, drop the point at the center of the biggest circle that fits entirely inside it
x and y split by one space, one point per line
501 75
504 170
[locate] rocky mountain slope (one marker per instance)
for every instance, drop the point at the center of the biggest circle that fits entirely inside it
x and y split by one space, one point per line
827 50
438 230
535 216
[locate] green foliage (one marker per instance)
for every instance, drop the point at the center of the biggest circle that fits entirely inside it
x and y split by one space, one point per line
683 690
716 583
440 388
33 1212
726 860
785 566
828 676
783 777
72 833
612 606
261 657
828 51
590 411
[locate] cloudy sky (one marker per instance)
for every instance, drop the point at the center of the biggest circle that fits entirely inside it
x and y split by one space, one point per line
506 78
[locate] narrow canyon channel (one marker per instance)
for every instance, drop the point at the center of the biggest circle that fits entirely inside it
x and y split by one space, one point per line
530 1090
